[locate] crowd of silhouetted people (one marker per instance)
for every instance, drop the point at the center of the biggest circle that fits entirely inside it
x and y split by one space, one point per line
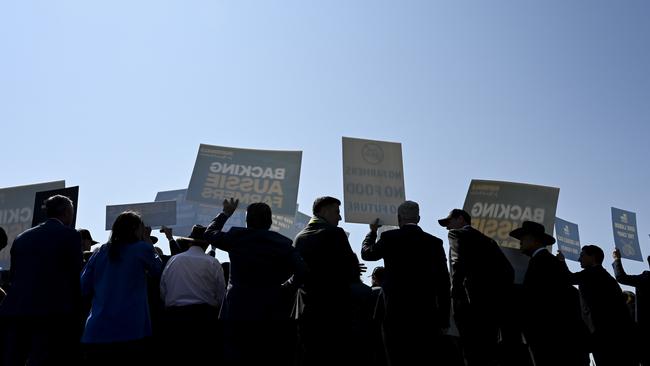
298 302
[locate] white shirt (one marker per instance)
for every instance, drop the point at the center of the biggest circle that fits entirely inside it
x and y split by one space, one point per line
192 277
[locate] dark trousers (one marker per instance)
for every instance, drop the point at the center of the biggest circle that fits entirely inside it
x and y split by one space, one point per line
479 334
41 340
137 352
191 335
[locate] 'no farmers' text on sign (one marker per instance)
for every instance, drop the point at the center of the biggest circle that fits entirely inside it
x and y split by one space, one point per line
373 180
247 175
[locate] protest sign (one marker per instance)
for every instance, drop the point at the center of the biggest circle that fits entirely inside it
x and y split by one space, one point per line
17 209
248 175
497 208
625 234
373 181
188 213
568 239
154 214
40 214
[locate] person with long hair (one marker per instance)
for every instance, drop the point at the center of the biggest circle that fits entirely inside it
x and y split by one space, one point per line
115 277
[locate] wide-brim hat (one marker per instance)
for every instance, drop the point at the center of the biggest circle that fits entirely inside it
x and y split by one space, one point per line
535 229
195 237
85 234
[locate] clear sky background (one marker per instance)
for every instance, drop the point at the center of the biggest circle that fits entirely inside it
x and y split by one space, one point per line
116 96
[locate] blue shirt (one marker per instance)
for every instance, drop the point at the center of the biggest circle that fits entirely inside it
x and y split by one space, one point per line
120 311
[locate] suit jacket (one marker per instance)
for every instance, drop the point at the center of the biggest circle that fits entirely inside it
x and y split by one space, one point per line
605 302
551 304
416 287
333 267
261 262
46 261
641 283
480 272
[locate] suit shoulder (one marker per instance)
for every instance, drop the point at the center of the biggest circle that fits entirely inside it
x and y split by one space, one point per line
431 237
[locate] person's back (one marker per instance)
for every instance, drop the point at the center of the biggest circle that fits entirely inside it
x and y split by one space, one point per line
413 261
259 258
324 305
45 265
43 305
416 289
119 304
332 263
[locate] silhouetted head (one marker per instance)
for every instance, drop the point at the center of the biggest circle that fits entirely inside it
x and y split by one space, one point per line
532 236
61 208
378 276
3 238
328 209
258 216
86 239
128 228
408 213
456 219
591 256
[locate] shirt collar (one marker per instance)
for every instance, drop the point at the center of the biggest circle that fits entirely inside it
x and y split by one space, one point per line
537 251
196 249
57 220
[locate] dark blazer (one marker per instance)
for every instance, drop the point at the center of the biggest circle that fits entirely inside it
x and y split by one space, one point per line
604 299
261 261
333 267
416 286
46 261
553 313
641 283
480 272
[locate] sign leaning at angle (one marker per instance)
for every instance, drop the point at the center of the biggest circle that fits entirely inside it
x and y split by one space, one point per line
625 234
568 239
39 203
16 211
248 175
373 181
498 207
154 214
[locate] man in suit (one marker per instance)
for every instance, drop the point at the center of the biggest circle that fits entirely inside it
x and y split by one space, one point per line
605 306
481 283
42 308
552 323
416 288
256 312
324 304
641 283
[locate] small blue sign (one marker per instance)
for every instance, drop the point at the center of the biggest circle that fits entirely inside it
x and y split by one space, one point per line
625 234
568 239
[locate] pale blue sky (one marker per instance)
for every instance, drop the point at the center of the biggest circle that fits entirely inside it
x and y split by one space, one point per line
116 96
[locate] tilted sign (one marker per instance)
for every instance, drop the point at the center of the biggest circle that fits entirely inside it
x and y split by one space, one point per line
373 181
568 239
154 214
625 234
16 211
248 175
497 208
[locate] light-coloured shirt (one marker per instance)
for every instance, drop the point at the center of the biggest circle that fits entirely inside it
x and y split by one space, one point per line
193 277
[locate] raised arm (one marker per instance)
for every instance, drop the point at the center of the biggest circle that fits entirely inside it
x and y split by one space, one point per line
213 233
370 250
